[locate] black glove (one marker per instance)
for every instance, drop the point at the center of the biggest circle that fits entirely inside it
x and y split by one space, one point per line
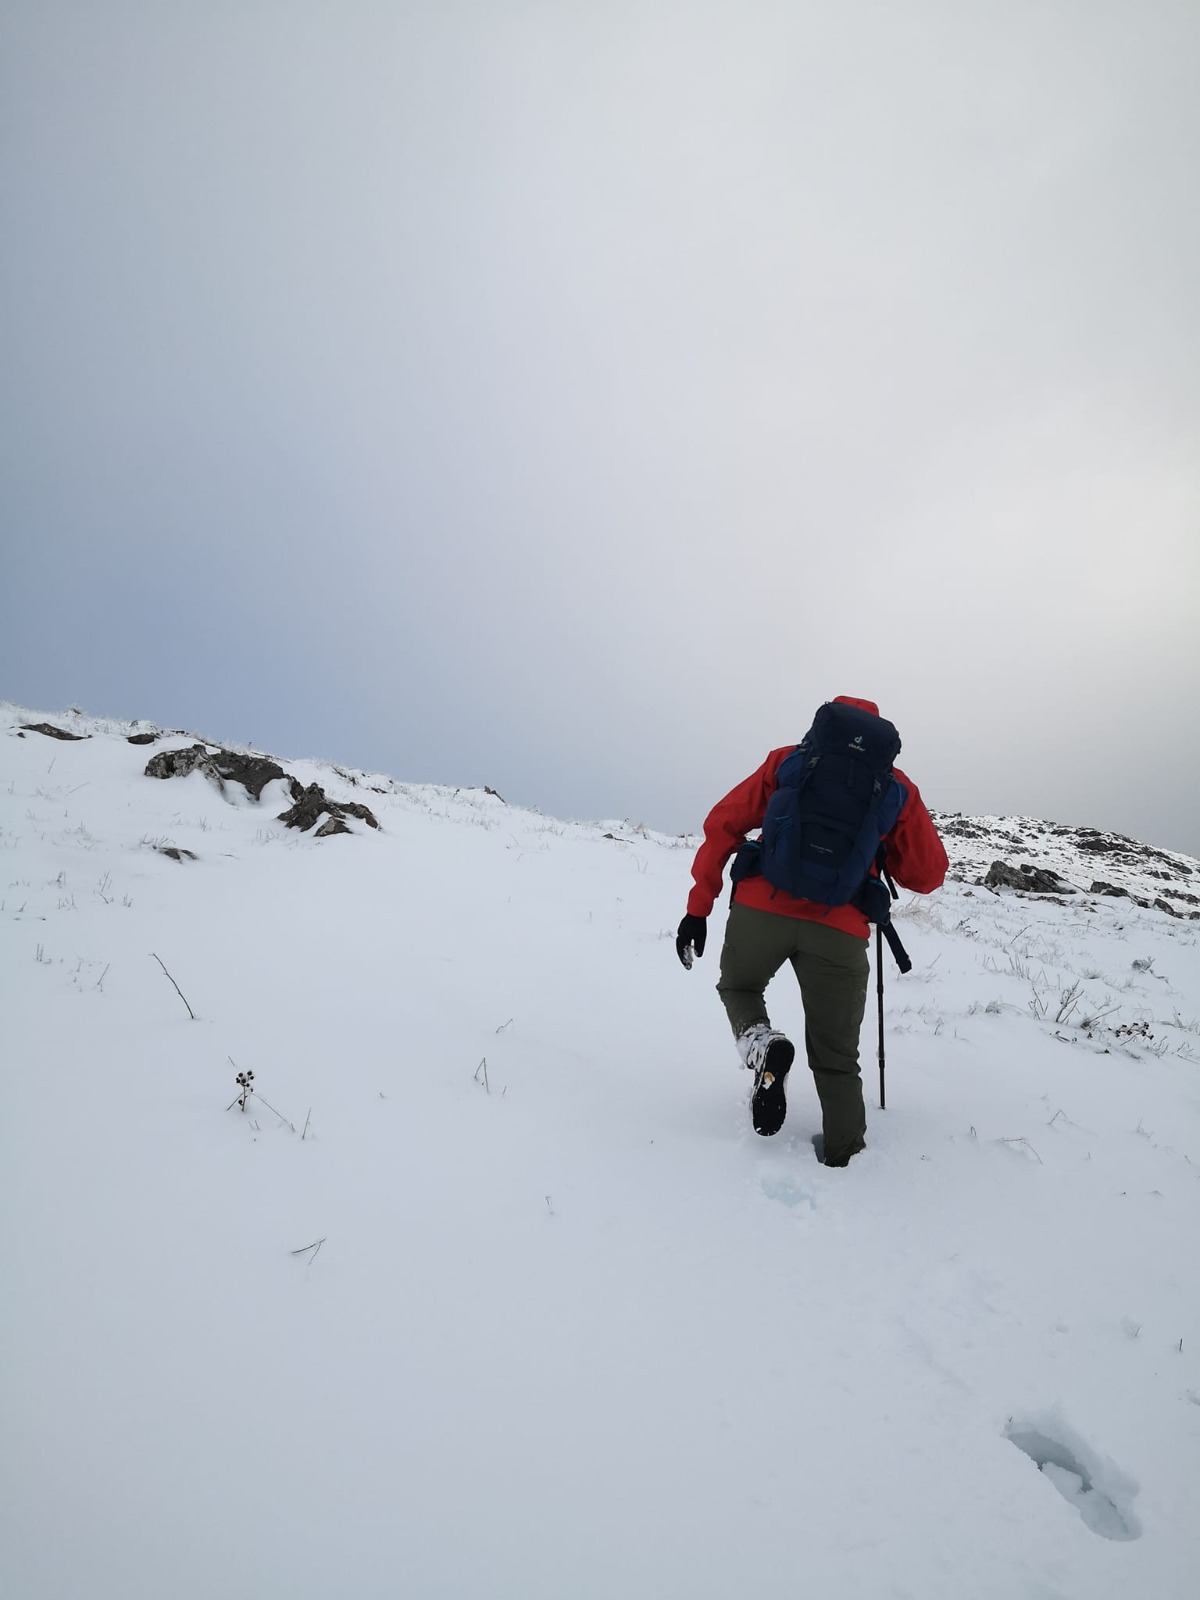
693 931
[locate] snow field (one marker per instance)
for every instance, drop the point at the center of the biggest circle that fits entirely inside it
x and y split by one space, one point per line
578 1331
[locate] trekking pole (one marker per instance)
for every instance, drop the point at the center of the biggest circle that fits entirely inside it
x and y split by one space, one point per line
879 990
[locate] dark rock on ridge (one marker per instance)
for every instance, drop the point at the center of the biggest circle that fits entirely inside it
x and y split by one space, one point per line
51 732
254 773
1033 880
309 802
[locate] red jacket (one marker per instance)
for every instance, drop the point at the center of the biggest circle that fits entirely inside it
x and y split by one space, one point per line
916 857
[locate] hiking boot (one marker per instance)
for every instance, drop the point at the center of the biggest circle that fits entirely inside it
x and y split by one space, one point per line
843 1159
768 1104
753 1044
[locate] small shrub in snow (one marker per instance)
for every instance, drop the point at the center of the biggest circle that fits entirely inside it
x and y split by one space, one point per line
245 1083
1133 1030
1068 1000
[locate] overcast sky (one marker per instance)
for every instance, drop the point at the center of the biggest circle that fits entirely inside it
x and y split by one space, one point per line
570 396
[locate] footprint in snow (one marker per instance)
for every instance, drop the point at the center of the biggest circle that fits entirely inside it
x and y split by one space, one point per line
1101 1493
783 1186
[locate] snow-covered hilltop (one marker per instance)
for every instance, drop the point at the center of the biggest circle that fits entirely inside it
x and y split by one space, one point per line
1084 859
1080 858
482 1285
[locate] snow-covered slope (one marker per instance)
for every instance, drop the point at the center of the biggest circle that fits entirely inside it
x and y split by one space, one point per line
490 1290
1083 858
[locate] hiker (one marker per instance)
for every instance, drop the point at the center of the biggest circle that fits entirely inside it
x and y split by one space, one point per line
825 807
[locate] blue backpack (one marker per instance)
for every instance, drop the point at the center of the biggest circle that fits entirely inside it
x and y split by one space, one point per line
836 800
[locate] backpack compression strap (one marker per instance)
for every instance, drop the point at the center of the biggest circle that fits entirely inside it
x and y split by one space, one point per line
886 926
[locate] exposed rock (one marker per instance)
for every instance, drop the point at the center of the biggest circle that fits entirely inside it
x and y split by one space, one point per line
1173 911
176 763
1000 875
1149 905
312 803
1030 879
51 731
1130 852
141 738
222 766
329 826
309 803
358 781
960 827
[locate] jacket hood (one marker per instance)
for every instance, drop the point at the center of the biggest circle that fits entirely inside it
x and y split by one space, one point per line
863 705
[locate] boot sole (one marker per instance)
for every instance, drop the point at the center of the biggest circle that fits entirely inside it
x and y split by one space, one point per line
768 1106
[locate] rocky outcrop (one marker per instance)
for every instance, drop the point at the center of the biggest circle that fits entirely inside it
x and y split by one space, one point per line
254 773
1030 879
982 850
309 801
51 732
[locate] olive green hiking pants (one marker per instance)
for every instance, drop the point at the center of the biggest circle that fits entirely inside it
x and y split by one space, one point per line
832 969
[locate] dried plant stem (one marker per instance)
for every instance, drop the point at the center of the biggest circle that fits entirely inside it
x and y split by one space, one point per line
285 1120
178 990
1022 1140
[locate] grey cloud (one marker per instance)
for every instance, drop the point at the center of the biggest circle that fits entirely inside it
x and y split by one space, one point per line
569 400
